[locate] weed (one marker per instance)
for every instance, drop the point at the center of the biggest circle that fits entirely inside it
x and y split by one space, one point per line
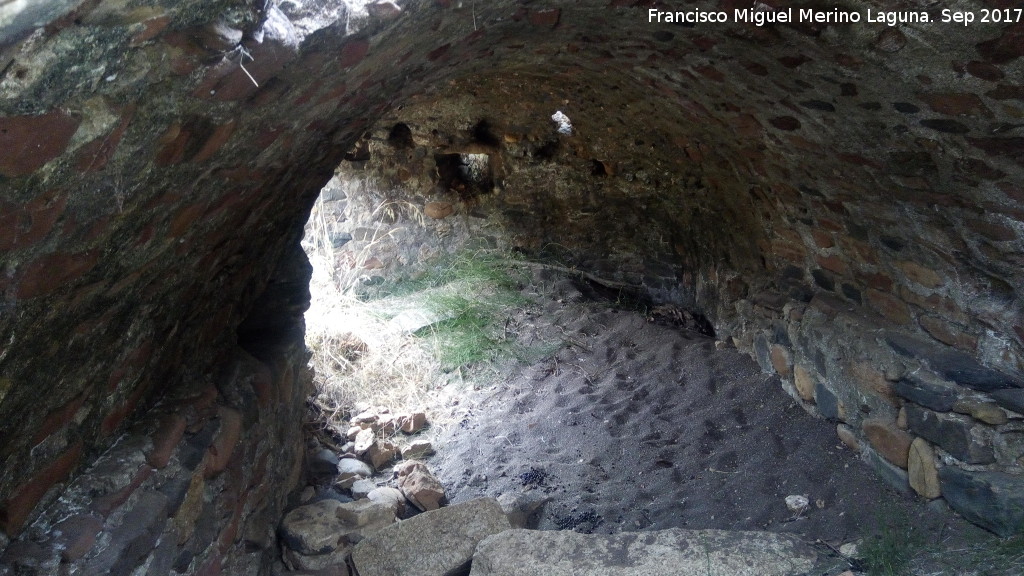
890 550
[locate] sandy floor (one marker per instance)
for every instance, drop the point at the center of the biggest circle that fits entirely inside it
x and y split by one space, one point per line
634 425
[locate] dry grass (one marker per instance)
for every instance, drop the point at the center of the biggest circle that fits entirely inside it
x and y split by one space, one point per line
363 353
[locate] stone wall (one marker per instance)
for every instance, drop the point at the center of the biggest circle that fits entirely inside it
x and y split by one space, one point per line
842 201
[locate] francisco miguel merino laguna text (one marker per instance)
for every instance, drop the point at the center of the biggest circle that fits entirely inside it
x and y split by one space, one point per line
762 17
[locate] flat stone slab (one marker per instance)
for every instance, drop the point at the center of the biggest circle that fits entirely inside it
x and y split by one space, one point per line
672 551
436 543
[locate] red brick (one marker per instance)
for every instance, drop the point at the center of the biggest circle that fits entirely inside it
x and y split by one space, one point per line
889 306
1007 92
822 238
166 439
787 123
545 18
50 271
954 104
948 333
1007 47
353 52
150 29
834 264
991 230
107 503
77 535
221 134
920 274
18 508
58 419
710 72
29 142
219 453
984 70
96 154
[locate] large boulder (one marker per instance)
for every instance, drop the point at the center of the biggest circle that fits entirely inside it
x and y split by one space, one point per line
673 551
435 543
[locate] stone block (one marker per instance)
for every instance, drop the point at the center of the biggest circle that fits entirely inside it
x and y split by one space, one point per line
435 543
993 500
888 440
987 412
420 487
958 435
828 403
921 470
672 551
893 475
1010 399
313 528
365 512
782 361
803 381
953 364
926 389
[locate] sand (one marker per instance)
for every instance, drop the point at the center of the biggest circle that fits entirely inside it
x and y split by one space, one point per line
637 425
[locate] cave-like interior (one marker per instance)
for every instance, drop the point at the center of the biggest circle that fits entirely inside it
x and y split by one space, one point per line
844 202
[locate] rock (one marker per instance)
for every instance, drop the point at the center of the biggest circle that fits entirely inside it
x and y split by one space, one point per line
365 512
381 452
313 528
796 503
803 381
921 471
850 549
891 442
353 432
846 436
364 440
419 486
987 412
521 507
436 543
926 389
391 496
956 434
412 423
901 418
350 470
893 475
993 500
366 416
1010 399
417 450
438 210
828 404
323 464
953 364
673 551
362 488
383 10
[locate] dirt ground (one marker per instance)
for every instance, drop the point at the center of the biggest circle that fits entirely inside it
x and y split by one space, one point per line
635 425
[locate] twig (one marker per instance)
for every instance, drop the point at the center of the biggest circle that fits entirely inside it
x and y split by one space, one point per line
241 64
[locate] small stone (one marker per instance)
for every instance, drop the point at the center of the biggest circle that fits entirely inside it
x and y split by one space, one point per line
365 512
365 417
420 487
323 463
353 432
847 437
364 440
987 412
362 488
797 503
417 450
921 471
393 497
901 418
520 507
350 470
380 453
804 383
383 10
438 210
850 549
313 528
891 442
412 423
